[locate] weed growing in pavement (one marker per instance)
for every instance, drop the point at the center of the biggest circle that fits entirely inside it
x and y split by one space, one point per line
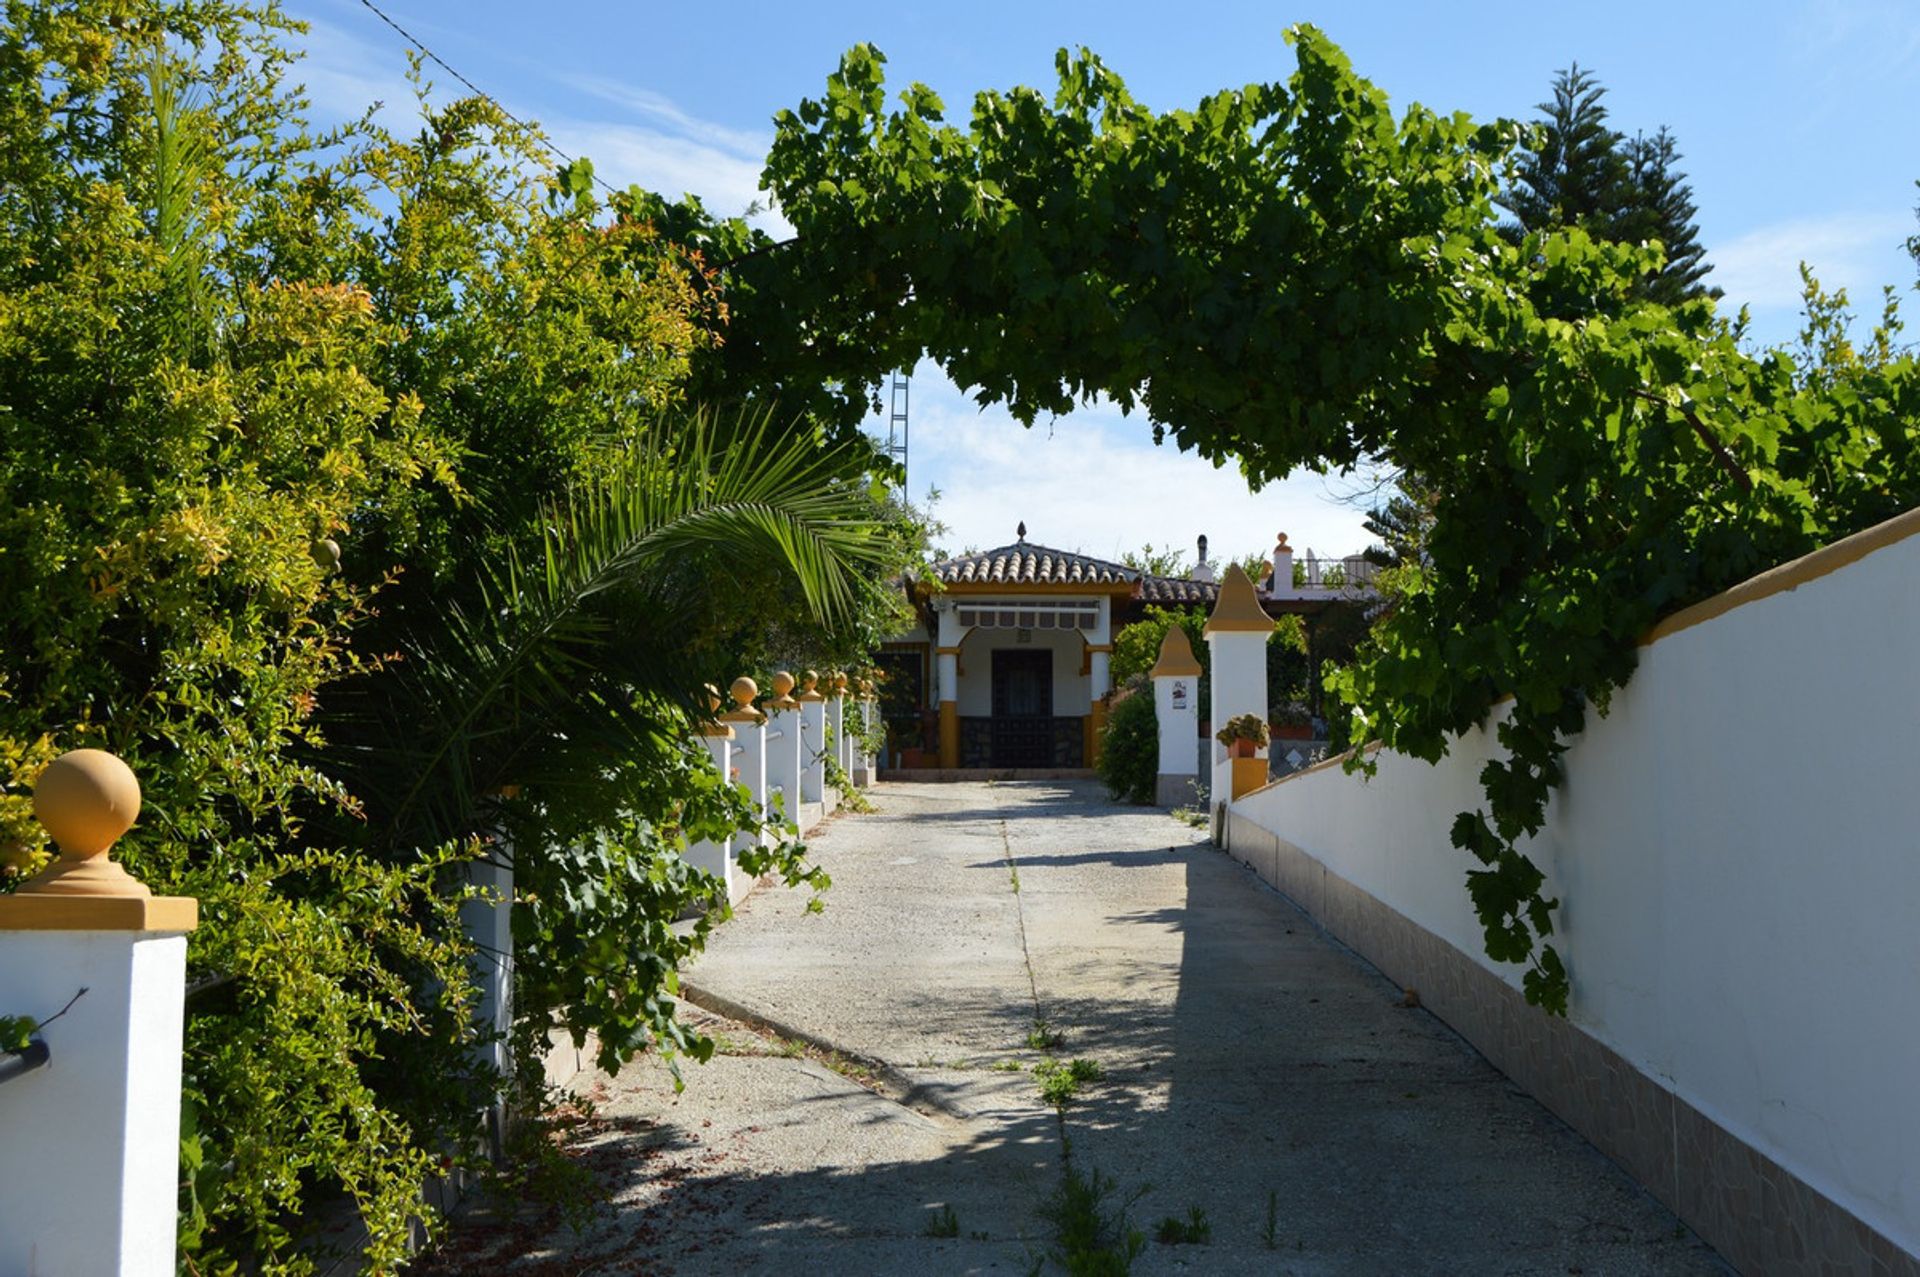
1090 1235
1008 1066
945 1223
1013 871
1044 1037
1194 1230
1060 1083
1273 1218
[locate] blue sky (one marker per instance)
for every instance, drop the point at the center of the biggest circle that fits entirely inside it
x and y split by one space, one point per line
1796 119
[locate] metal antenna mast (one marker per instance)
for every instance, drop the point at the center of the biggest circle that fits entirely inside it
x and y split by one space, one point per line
897 429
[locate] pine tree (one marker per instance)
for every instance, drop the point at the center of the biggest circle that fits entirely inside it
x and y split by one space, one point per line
1577 176
1662 208
1585 174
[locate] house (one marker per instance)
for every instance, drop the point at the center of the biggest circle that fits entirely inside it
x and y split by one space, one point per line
1008 665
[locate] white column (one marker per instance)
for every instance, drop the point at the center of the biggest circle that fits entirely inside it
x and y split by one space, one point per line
707 854
1176 703
783 751
1237 634
487 921
947 665
813 742
95 1129
836 714
1283 587
749 771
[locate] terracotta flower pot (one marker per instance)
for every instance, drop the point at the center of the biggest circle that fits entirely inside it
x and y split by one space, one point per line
1242 748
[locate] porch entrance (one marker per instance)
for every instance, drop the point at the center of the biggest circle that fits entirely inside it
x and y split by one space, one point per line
1023 708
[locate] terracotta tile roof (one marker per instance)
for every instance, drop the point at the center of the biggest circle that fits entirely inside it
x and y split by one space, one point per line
1025 564
1176 589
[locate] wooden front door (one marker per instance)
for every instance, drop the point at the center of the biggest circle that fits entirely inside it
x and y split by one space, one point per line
1023 708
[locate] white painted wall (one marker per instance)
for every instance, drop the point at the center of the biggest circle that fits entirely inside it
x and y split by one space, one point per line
1071 697
1737 851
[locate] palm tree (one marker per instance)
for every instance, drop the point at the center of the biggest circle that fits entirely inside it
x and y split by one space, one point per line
594 655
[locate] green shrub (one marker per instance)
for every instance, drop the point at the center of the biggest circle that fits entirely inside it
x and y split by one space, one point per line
1130 749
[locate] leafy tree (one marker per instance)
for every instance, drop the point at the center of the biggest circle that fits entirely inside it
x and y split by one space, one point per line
1130 750
347 489
1579 172
1156 561
1287 274
1404 520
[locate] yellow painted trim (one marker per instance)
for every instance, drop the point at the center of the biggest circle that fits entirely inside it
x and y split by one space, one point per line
948 651
715 729
1791 575
743 716
1249 774
1097 725
99 913
1176 656
1238 610
1098 647
949 733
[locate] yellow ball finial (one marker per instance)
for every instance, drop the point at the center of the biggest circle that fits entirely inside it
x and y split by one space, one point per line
744 690
782 683
86 799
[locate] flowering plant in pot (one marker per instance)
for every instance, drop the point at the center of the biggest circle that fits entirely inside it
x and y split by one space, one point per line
1292 720
1243 734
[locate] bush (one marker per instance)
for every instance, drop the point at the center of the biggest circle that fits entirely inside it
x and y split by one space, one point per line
1130 750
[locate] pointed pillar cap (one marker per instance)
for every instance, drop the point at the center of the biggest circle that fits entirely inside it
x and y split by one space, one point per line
1176 656
1238 609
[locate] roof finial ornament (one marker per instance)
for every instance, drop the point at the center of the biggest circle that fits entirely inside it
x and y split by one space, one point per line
1021 531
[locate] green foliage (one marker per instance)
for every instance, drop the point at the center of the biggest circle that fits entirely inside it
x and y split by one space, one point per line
1575 171
1130 749
1060 1082
1136 647
1194 1230
945 1223
1091 1233
1247 727
1288 275
351 486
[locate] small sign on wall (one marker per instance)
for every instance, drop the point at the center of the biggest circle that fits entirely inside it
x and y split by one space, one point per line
1023 636
1181 694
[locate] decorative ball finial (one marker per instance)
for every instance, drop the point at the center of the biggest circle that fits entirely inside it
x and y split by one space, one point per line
713 697
782 683
86 799
744 690
1281 546
809 680
1021 531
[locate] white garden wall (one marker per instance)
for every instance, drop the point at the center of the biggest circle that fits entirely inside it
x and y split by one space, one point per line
1737 852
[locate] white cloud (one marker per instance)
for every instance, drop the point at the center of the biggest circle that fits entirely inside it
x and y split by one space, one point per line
1846 250
344 75
743 143
1095 482
624 154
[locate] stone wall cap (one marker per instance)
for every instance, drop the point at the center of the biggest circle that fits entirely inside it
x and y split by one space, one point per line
99 913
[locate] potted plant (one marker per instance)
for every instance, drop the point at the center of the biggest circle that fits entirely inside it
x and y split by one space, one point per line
1243 734
1292 720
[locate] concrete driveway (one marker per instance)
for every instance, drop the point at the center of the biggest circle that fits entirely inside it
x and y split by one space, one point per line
876 1083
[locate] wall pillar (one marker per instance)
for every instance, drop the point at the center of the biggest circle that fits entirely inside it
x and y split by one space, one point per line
1237 635
947 664
486 919
836 738
750 771
1176 703
783 751
813 742
717 738
96 1128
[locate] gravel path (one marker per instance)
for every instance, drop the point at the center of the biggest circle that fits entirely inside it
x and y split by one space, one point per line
1252 1070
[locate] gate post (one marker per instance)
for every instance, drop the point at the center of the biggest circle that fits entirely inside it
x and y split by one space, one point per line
749 769
1176 704
1237 635
836 721
717 737
783 748
95 1137
813 744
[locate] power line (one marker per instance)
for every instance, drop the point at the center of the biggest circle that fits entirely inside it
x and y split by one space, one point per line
533 130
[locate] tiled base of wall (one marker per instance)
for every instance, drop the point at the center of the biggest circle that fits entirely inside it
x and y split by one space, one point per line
1760 1217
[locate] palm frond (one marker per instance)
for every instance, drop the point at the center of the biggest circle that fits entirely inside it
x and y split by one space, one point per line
557 675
